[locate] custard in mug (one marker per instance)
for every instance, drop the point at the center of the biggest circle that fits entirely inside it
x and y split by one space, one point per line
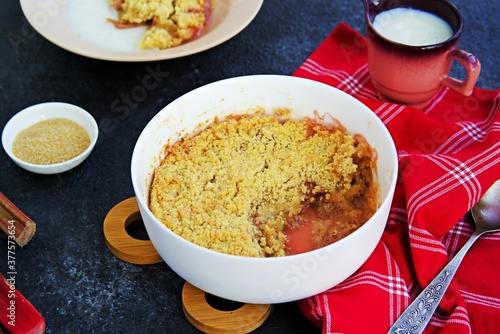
412 27
411 49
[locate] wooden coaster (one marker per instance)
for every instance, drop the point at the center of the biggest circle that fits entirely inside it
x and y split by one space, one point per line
210 320
120 243
196 308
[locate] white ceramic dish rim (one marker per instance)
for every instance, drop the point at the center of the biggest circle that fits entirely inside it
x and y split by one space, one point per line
238 260
43 111
230 17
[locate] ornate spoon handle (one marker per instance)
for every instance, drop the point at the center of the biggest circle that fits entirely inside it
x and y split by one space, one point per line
415 318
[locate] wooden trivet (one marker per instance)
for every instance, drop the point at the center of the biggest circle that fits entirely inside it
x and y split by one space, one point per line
196 308
210 320
120 243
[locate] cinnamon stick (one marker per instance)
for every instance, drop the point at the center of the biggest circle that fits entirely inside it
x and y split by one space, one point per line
15 223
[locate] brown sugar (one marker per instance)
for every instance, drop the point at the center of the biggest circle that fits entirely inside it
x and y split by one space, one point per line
233 187
51 141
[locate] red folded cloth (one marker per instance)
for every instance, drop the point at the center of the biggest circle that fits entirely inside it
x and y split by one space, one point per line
449 155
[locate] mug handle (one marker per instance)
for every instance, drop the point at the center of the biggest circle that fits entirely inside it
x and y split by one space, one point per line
472 68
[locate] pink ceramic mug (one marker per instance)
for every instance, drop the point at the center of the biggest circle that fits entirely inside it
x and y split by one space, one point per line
412 75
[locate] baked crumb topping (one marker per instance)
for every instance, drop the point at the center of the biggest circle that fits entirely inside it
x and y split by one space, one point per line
235 186
170 22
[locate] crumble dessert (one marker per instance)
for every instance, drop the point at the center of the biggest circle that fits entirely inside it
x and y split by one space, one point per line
246 185
170 22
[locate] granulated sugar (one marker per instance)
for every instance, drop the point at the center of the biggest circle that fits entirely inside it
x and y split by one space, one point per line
51 141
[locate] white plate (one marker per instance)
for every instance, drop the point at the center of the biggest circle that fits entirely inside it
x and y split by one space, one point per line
51 19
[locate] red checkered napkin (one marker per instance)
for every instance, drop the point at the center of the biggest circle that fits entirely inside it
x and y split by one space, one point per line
449 155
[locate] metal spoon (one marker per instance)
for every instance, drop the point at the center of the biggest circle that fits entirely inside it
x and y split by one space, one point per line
486 215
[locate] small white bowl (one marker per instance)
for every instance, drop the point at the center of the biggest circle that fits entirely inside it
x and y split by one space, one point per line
41 112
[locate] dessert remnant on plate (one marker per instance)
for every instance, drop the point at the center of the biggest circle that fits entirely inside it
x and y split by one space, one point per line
265 186
170 22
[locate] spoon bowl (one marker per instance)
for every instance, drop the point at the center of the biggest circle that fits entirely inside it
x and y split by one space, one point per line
486 212
486 215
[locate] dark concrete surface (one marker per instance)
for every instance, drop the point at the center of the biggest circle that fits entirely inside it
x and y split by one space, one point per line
66 271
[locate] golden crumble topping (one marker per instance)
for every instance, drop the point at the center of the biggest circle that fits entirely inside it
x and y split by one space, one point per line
233 187
170 22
